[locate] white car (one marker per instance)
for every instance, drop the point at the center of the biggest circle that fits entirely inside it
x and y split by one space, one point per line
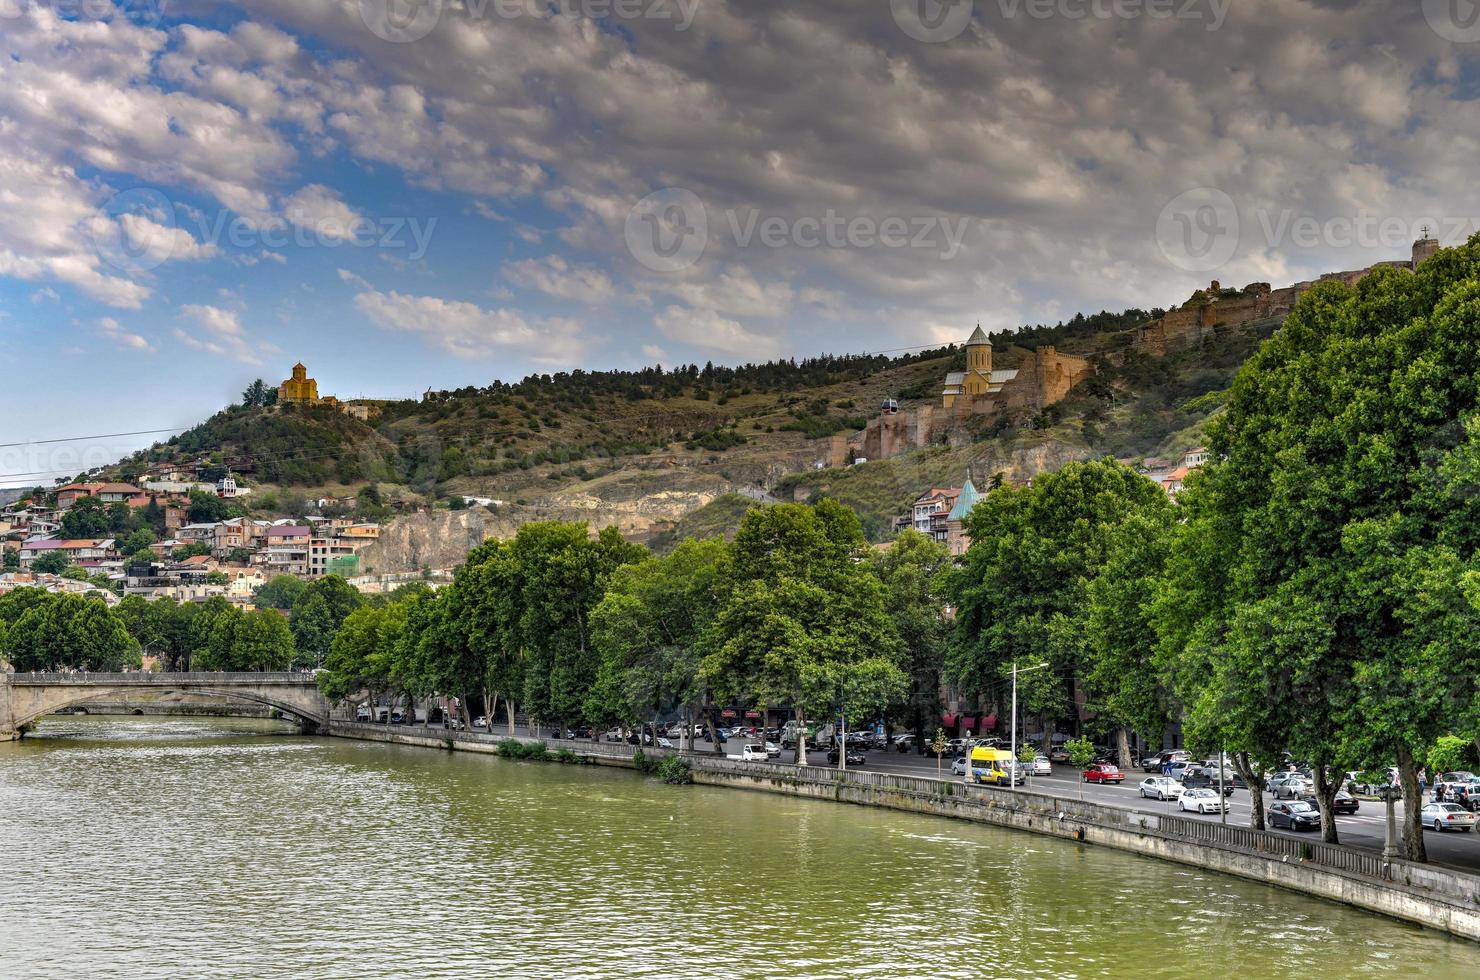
480 722
1200 801
752 753
1040 766
1289 786
1447 816
1160 788
664 742
773 750
958 766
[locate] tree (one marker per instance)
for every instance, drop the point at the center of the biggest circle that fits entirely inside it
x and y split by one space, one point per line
649 628
280 592
51 562
317 615
9 560
802 618
1449 754
259 640
1343 505
910 573
1122 684
86 518
1081 753
216 578
1022 591
69 630
256 394
194 549
207 508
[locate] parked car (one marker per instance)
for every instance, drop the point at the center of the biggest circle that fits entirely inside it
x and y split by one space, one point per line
751 753
1446 816
1059 754
1040 766
1294 815
956 746
1466 795
1179 770
1160 788
958 766
1202 779
1289 786
1201 801
855 758
1154 761
1344 803
664 742
773 750
904 743
1103 772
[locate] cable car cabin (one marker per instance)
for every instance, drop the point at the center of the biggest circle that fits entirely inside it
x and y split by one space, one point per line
891 406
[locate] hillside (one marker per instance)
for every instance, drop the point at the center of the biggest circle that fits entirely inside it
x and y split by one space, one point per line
664 454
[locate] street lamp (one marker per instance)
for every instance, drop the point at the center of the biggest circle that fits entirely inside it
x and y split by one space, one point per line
1012 780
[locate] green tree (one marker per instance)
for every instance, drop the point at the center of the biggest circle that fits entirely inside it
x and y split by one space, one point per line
207 508
648 629
317 615
802 618
1123 685
1022 590
51 562
910 572
87 518
1342 516
69 630
280 592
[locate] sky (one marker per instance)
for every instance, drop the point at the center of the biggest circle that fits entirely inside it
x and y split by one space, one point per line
407 194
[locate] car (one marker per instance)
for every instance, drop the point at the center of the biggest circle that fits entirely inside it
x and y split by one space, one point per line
751 753
363 714
1289 786
1446 816
1160 788
1059 754
1201 801
1294 815
958 766
1344 803
1202 779
1040 766
664 742
1179 770
773 750
854 758
1466 795
1155 761
904 743
1103 772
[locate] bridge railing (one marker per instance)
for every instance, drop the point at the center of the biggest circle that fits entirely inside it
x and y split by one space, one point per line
153 679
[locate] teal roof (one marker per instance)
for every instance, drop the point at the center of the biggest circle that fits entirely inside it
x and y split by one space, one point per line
965 502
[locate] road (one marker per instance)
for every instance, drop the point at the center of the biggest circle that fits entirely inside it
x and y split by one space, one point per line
1366 828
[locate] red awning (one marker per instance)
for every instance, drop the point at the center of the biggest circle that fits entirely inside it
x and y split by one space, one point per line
727 713
990 721
968 721
948 720
752 714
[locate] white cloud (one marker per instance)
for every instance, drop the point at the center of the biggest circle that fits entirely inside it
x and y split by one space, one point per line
319 209
468 330
221 334
113 331
554 276
709 331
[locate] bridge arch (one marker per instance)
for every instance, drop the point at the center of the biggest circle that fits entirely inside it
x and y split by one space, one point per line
308 719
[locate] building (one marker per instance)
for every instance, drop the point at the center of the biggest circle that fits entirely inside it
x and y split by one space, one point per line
931 507
80 551
300 389
956 538
1042 377
107 493
287 550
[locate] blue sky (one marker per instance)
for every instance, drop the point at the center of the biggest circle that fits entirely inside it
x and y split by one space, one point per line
196 194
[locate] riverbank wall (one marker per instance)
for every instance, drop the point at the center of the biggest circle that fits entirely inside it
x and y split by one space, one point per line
1437 897
173 708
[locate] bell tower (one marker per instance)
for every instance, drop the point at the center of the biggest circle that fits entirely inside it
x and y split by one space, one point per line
978 363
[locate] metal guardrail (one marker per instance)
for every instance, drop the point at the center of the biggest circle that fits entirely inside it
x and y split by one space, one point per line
144 678
1368 864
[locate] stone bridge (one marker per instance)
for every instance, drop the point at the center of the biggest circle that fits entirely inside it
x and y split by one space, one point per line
26 697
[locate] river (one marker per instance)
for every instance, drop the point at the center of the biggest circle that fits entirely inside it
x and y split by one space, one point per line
200 848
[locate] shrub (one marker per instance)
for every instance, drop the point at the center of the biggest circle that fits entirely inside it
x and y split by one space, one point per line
675 771
568 758
643 762
512 748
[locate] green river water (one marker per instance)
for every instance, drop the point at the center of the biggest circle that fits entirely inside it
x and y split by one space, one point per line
146 848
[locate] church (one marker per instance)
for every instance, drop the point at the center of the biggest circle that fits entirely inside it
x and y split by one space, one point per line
1042 377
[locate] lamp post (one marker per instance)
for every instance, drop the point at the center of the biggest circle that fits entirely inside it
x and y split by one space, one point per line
1012 779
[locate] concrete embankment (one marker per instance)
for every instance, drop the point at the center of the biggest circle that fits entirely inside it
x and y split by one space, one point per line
1441 898
173 708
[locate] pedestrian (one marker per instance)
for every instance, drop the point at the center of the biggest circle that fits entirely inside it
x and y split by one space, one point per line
1423 781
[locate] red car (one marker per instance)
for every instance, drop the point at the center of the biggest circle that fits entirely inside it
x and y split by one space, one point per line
1103 772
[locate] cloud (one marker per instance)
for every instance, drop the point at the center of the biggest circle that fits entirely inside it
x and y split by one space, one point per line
114 332
319 209
220 333
467 330
554 276
707 330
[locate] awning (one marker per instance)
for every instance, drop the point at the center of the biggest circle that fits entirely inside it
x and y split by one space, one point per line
727 713
990 721
948 720
752 714
968 722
